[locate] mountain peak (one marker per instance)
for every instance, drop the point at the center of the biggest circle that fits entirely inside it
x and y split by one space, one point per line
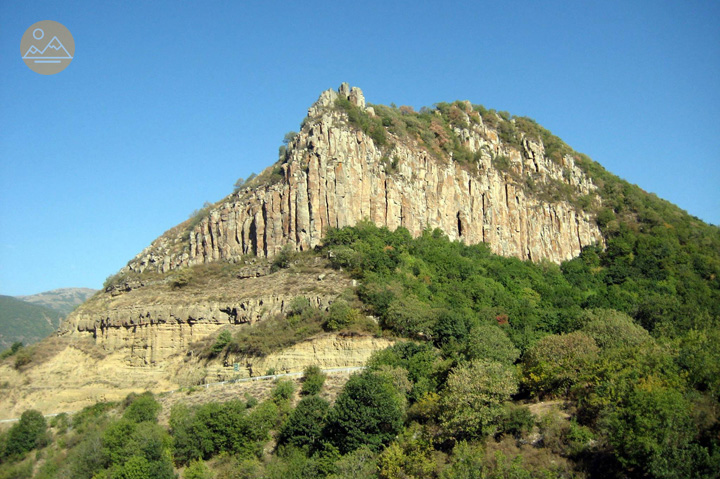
327 98
470 172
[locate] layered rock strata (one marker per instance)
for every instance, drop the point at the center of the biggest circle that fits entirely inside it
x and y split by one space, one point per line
153 322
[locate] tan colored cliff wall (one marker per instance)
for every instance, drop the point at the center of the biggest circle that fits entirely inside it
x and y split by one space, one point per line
73 379
155 321
334 176
326 351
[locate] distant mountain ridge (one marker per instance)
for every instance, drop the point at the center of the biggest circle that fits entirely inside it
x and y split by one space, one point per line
25 322
28 319
64 300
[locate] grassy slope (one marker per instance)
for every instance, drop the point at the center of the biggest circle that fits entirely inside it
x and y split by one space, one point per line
25 322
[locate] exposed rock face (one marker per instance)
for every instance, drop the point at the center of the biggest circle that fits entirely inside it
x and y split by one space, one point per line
153 322
327 351
151 333
334 176
73 379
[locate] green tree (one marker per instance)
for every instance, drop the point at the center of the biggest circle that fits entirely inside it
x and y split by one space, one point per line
88 457
421 361
116 441
359 464
471 404
143 407
408 316
652 431
490 342
289 137
612 329
699 356
410 456
557 362
137 450
27 434
197 470
466 462
305 424
136 467
369 411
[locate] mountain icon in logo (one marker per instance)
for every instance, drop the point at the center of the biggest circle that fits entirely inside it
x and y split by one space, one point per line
54 50
43 56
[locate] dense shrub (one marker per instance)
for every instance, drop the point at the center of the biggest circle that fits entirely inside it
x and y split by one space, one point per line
283 390
224 338
368 412
471 404
516 420
204 431
557 362
142 408
340 315
313 380
283 259
28 434
272 334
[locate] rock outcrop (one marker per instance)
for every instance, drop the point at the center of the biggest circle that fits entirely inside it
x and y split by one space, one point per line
153 321
334 175
327 351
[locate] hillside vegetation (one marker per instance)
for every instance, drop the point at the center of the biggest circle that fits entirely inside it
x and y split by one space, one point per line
490 335
607 365
25 322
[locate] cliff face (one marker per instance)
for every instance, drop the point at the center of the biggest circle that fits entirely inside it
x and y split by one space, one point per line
154 321
334 175
326 351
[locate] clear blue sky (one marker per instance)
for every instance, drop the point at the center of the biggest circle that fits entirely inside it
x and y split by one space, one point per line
166 104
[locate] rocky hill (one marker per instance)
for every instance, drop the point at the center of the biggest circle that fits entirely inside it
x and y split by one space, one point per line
397 168
623 335
478 175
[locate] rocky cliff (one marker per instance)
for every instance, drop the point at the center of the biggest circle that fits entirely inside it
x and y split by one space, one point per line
334 174
478 177
153 320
